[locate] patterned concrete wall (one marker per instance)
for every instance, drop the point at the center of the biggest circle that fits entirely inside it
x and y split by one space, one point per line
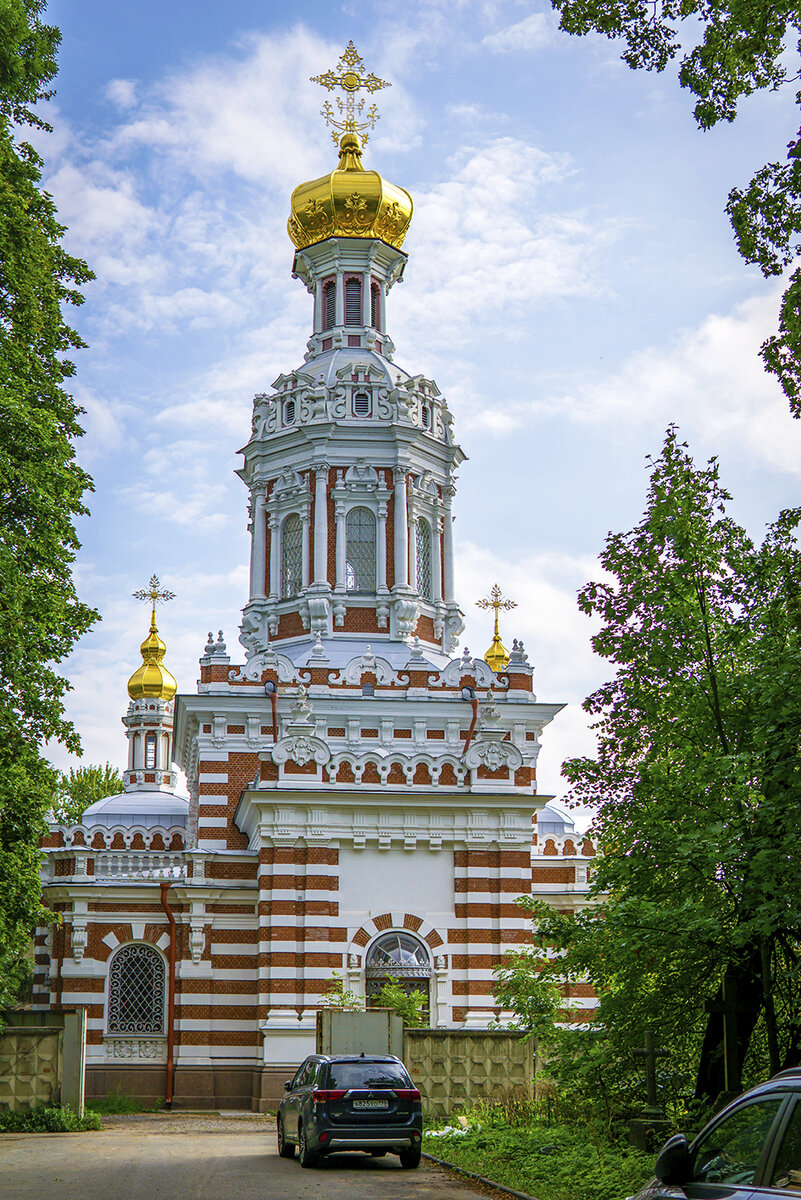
42 1059
456 1068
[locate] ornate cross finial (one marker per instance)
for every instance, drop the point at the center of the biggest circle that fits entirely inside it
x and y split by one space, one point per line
496 600
155 593
497 656
351 79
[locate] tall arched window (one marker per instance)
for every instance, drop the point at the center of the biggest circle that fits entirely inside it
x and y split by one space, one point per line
329 304
353 300
291 556
360 551
423 537
398 958
150 752
375 300
136 990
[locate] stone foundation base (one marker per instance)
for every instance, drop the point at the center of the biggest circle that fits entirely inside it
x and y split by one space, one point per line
220 1086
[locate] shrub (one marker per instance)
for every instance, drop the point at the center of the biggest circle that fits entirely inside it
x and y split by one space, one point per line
48 1119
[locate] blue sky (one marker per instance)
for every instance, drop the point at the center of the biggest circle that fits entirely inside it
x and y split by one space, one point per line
572 286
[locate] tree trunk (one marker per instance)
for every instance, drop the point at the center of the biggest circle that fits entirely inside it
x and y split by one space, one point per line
745 972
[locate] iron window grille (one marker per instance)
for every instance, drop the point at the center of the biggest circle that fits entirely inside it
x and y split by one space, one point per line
360 551
136 991
423 539
291 556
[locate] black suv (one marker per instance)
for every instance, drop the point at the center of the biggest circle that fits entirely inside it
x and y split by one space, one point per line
351 1102
751 1149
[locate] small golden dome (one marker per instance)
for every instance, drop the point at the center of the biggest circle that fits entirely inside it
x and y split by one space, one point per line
497 657
152 680
350 202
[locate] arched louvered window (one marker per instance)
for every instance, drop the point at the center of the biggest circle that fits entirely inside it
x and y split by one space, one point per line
353 301
375 300
136 990
329 304
360 551
150 751
423 537
291 556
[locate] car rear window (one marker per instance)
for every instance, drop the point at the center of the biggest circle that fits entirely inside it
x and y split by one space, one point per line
367 1074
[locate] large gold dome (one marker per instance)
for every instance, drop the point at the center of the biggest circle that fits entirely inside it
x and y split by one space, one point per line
350 202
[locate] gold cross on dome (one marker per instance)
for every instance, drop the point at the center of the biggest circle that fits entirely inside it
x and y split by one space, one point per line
154 592
352 78
496 600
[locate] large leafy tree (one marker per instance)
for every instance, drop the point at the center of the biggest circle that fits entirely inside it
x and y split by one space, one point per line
697 779
732 49
41 486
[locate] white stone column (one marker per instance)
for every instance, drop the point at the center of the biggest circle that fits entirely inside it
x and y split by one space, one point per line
275 561
339 317
304 518
381 548
447 544
436 558
321 519
258 546
318 306
413 551
401 529
366 299
340 546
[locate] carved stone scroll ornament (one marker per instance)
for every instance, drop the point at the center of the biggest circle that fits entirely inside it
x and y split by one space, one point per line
493 755
300 749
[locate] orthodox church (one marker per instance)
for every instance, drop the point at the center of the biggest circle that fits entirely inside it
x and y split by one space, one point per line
361 795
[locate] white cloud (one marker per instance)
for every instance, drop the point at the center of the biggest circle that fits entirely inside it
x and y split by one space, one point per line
532 33
121 92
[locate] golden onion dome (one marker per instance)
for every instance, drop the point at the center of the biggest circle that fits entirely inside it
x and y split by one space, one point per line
152 680
349 202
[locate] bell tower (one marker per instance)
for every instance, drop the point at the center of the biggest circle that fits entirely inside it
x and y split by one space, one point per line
351 464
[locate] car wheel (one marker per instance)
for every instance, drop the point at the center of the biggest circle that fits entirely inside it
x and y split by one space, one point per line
308 1158
285 1148
410 1158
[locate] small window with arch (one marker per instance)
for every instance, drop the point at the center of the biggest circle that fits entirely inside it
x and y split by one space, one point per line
329 304
353 300
426 415
362 404
289 412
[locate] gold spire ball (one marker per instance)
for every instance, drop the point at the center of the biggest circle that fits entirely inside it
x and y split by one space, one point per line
497 657
350 202
152 680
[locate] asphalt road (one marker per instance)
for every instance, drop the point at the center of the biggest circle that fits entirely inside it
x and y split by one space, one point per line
202 1159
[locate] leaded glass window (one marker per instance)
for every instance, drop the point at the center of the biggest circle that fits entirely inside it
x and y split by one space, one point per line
423 538
136 990
329 304
374 301
360 551
353 301
291 556
397 958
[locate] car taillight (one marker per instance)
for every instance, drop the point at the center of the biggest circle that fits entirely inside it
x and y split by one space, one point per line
320 1095
407 1094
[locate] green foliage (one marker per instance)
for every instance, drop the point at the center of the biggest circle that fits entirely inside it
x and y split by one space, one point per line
411 1007
744 46
41 486
45 1119
83 787
568 1160
697 780
116 1102
336 995
525 985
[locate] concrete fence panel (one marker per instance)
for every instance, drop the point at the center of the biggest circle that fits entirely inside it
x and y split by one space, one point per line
42 1058
456 1068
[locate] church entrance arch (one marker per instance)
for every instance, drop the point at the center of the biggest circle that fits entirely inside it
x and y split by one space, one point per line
400 958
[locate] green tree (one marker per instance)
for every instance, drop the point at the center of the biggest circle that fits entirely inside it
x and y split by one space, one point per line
411 1007
736 47
41 486
82 787
697 779
525 985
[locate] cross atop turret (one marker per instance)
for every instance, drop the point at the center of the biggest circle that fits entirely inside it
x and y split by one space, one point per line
497 656
352 78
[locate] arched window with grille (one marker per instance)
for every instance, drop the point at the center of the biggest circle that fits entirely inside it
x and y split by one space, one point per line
136 990
353 300
329 304
398 958
423 538
291 556
375 302
360 551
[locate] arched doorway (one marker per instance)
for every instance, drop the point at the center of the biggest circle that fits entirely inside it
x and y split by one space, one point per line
401 958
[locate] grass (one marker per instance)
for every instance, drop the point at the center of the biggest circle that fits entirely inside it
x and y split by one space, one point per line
551 1162
48 1119
115 1102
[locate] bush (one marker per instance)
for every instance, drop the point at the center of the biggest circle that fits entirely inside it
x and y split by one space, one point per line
48 1119
116 1102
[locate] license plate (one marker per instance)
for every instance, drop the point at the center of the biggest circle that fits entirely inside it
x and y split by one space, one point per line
371 1103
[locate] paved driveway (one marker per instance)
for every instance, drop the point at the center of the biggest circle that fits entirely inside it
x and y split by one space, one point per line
201 1158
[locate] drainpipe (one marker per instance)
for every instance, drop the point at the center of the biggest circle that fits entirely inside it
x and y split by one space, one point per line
469 694
272 692
170 999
